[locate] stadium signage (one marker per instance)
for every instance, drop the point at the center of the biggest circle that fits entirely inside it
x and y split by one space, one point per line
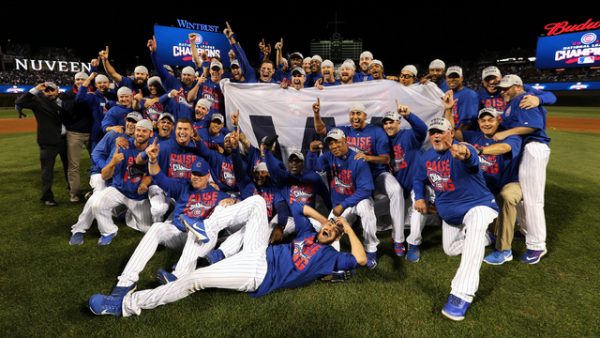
569 50
197 26
556 28
173 45
52 65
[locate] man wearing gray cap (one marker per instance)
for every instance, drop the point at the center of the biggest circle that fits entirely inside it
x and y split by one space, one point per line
188 74
241 70
98 101
140 75
51 133
129 186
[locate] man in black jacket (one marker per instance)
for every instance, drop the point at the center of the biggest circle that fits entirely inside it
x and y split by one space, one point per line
43 101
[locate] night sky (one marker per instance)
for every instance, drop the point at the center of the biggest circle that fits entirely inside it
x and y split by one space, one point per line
395 37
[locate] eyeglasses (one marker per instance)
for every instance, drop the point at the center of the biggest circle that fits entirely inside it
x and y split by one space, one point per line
406 76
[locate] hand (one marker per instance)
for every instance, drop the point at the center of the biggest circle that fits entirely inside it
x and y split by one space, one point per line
285 83
94 63
142 189
529 102
122 142
317 106
138 97
116 129
421 206
103 54
227 202
231 55
152 150
192 37
403 110
425 79
118 156
235 118
344 223
460 152
316 146
361 156
279 45
319 84
234 140
262 45
40 86
276 235
338 210
448 100
196 137
151 44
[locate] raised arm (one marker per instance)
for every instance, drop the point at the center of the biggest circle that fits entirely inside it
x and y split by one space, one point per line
320 127
110 70
356 247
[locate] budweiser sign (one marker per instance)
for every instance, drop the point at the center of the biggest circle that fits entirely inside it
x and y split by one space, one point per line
556 28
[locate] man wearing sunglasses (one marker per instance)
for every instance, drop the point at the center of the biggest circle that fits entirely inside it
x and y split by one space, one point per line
51 133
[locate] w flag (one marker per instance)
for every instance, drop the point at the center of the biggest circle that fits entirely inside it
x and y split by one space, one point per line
267 109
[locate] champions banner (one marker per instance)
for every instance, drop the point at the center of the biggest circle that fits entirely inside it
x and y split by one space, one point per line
173 45
267 109
569 50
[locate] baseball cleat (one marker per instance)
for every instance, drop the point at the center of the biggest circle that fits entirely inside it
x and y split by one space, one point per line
106 305
413 254
165 277
215 256
499 257
106 239
455 308
76 238
371 260
121 291
195 226
399 249
338 276
533 256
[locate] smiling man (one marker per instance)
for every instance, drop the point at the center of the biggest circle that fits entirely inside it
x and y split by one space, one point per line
259 268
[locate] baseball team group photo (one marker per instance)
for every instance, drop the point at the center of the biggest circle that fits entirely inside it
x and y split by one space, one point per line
211 175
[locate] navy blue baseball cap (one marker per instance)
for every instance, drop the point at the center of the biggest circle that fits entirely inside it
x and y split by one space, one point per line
200 167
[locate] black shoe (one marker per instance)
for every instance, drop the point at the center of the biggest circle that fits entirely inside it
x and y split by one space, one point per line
50 203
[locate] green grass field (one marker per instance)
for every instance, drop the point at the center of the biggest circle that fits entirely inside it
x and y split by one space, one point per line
45 283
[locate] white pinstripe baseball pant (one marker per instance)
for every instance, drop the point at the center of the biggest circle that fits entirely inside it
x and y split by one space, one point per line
364 209
233 218
469 240
243 272
85 219
111 198
387 184
532 177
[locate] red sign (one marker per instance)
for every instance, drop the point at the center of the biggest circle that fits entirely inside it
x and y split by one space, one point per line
557 28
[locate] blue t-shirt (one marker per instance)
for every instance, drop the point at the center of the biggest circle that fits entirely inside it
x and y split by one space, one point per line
466 107
128 175
370 140
535 118
302 261
458 185
406 146
498 170
176 161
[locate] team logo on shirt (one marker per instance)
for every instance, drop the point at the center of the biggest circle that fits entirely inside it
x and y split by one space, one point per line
399 162
438 173
133 172
180 165
268 197
359 144
342 182
507 112
201 205
487 163
301 194
304 250
154 111
455 112
227 174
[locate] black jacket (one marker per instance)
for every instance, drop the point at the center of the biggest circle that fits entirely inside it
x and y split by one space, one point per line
48 116
79 116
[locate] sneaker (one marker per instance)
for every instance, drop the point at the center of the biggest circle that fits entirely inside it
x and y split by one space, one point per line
165 277
76 238
215 256
50 203
74 199
121 291
107 239
399 249
499 257
195 226
106 305
413 254
533 256
455 308
371 260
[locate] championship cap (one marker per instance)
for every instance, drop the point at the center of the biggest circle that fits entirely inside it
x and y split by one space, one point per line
296 55
218 117
167 115
489 71
297 154
204 103
376 62
336 134
391 115
437 64
144 123
317 57
509 81
367 55
357 106
141 69
101 78
134 116
298 70
81 75
411 69
234 63
489 111
188 71
51 85
439 123
124 91
216 63
261 166
454 70
327 63
155 80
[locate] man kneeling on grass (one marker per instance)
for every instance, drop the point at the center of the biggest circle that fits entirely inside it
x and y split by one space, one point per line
259 268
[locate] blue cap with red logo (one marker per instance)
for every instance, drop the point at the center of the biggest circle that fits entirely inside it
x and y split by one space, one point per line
200 166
